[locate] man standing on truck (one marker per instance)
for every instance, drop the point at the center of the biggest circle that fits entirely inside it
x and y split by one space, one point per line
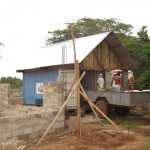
117 82
130 80
100 82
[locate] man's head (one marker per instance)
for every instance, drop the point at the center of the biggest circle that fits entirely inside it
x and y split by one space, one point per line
130 74
129 71
118 73
100 75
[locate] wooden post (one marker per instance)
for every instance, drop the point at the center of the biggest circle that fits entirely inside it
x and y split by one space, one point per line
78 103
65 103
76 66
100 111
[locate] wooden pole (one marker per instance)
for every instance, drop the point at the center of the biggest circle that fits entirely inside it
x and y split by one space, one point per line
76 84
74 48
78 129
76 66
90 101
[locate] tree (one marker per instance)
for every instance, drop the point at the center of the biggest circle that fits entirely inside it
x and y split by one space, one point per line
15 83
2 44
143 35
142 59
87 26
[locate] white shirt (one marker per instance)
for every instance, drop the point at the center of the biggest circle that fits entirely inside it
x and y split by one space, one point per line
100 81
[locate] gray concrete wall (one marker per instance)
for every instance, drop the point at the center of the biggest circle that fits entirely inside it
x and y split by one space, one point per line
28 126
26 122
9 96
53 95
4 95
67 77
16 95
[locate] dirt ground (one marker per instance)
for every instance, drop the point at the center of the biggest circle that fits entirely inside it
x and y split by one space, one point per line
97 137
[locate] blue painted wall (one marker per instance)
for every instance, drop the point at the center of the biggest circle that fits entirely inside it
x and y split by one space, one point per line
29 84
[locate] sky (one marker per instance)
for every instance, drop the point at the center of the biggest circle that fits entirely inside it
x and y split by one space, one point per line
24 24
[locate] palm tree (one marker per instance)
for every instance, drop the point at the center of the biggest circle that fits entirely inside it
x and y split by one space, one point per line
2 44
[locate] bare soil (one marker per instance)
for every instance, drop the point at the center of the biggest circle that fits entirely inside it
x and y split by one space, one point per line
93 137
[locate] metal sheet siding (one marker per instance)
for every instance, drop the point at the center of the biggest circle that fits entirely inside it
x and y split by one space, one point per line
29 84
89 81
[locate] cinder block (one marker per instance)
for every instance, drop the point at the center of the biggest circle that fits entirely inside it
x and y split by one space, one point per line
20 143
8 146
22 147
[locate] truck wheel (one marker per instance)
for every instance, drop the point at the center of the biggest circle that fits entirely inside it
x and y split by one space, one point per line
121 111
103 106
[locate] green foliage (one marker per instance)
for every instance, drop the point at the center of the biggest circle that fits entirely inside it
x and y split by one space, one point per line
87 26
143 81
15 83
143 35
139 50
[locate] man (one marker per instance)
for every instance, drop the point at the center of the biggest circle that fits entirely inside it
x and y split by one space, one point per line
100 82
130 80
117 81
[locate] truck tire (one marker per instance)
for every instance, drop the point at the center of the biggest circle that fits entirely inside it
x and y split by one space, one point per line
103 105
121 111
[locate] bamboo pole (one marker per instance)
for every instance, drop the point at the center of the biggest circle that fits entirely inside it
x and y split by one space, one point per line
90 101
61 108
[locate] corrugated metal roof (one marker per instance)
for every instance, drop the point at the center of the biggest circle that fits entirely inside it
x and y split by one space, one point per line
52 54
120 51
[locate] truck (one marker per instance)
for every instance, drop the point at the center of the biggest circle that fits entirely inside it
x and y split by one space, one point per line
120 102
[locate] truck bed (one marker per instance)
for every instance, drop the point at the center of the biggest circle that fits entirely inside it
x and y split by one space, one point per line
139 101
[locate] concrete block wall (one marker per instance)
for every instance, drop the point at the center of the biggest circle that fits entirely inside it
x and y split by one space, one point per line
19 125
53 95
67 77
16 95
4 95
28 126
9 96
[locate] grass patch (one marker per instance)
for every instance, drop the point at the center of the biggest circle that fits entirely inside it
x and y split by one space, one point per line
147 133
146 144
128 123
123 122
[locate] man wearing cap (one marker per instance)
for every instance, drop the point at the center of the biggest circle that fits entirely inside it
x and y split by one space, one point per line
130 80
100 82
